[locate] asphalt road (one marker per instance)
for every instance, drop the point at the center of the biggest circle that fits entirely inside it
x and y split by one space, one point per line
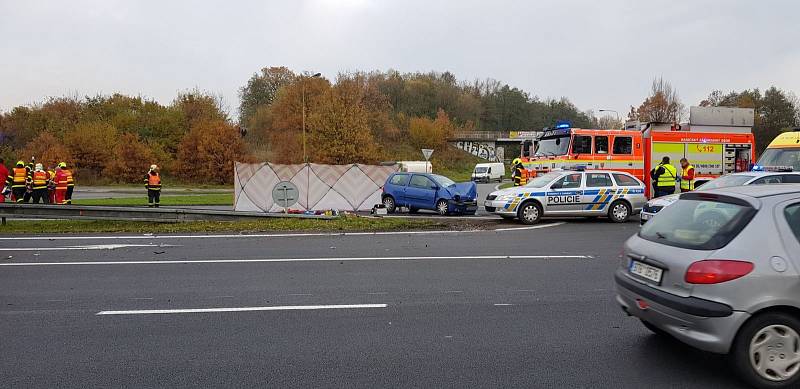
425 310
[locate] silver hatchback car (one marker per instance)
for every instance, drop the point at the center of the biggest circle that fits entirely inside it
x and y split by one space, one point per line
615 194
732 287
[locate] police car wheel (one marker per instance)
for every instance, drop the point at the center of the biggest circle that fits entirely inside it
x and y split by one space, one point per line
619 212
530 213
441 207
388 202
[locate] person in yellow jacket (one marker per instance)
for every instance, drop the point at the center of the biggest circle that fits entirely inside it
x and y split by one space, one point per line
664 177
687 176
152 181
519 174
70 182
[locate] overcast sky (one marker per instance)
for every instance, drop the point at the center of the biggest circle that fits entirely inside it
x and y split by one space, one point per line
599 54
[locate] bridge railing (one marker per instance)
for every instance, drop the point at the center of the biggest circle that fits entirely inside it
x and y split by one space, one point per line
479 135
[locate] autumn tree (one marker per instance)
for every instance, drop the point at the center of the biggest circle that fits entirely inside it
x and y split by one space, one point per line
47 149
285 126
775 110
207 153
132 157
92 146
339 128
199 107
261 90
662 105
426 133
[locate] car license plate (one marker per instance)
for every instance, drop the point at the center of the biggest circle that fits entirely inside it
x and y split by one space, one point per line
644 270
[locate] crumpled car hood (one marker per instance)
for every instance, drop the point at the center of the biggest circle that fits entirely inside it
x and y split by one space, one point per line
465 190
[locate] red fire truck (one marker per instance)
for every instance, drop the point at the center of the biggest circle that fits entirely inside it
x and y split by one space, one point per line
717 141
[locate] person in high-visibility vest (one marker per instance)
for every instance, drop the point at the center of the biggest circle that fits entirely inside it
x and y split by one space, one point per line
39 185
61 185
519 174
687 176
152 181
70 183
664 176
18 181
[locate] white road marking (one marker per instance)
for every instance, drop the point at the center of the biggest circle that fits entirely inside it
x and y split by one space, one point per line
241 309
453 291
536 227
141 298
86 247
299 294
502 305
332 259
282 235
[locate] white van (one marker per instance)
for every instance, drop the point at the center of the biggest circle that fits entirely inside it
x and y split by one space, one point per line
489 172
415 166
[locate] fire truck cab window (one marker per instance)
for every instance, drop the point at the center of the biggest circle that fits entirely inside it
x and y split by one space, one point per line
552 146
601 145
623 145
582 145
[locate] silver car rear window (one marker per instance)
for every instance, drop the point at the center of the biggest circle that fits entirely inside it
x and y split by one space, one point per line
698 224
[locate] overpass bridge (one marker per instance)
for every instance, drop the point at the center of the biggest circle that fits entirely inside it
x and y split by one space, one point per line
493 146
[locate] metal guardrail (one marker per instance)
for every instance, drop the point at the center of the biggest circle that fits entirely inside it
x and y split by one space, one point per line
161 215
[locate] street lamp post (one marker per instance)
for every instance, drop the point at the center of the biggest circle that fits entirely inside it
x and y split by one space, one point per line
303 82
615 112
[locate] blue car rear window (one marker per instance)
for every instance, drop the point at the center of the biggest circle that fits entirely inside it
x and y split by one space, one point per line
399 179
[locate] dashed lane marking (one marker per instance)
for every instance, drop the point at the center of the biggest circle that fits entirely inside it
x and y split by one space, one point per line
241 309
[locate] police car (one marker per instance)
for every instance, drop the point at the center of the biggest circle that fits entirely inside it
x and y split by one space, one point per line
570 193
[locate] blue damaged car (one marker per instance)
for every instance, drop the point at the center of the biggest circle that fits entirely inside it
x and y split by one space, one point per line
416 191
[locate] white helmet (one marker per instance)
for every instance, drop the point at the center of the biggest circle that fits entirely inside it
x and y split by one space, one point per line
38 167
153 167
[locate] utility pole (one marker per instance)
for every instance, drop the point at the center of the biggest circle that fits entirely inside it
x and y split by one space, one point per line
303 82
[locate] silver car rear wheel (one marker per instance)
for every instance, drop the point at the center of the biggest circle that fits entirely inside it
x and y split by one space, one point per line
766 350
775 352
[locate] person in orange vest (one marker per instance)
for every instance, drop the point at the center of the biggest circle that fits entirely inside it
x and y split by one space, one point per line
70 182
152 181
61 185
39 185
18 181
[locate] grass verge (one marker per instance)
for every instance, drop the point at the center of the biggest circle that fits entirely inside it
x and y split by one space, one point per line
506 185
343 224
200 199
